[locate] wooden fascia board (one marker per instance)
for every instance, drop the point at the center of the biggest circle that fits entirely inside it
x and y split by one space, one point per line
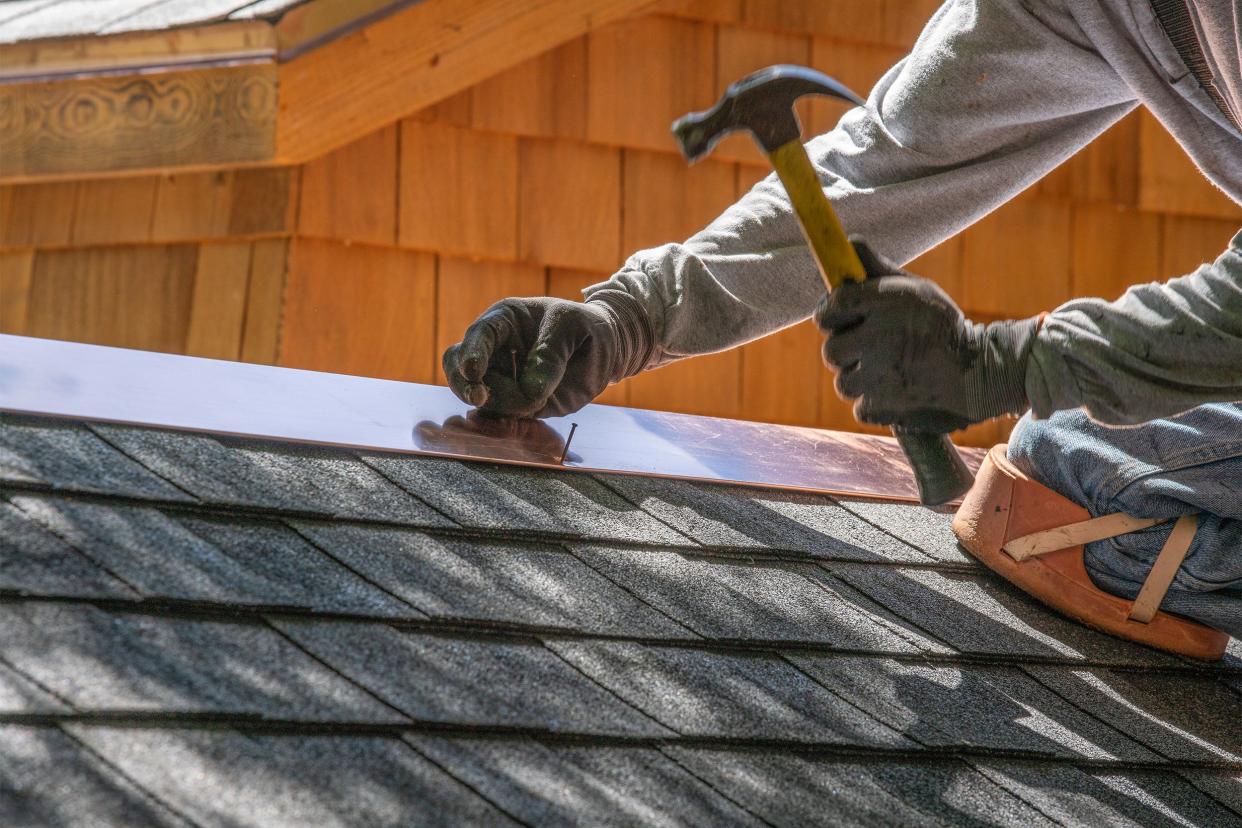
410 60
224 116
245 110
130 52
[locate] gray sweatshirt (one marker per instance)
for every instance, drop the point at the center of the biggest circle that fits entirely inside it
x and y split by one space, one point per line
994 95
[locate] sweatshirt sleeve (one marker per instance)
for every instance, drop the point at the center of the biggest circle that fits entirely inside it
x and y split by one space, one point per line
994 95
1157 351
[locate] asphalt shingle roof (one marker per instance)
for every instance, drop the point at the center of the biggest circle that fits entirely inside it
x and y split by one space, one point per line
212 631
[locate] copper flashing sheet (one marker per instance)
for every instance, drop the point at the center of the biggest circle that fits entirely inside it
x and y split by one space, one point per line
91 382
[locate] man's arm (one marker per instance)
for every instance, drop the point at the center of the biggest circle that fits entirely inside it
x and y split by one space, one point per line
993 96
1157 351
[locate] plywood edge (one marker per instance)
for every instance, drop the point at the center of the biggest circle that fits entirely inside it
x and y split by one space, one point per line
51 58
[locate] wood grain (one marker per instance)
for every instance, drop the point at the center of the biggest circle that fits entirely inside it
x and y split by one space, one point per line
1189 241
666 200
232 203
1114 247
113 210
129 297
16 270
1108 169
218 307
645 73
707 385
748 175
108 124
713 11
943 265
855 20
545 96
360 310
781 377
466 288
305 23
341 91
455 110
265 298
192 206
1169 182
1016 262
458 190
264 202
37 214
569 204
351 193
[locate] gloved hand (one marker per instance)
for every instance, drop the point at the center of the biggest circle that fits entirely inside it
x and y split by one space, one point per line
905 352
546 357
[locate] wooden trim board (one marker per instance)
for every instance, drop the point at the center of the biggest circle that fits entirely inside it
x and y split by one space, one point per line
213 117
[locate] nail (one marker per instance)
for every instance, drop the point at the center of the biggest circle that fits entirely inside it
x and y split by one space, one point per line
513 356
565 453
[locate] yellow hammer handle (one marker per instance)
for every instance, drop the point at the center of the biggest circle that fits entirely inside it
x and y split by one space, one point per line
833 252
938 468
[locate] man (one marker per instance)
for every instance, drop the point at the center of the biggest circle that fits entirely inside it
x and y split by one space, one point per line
995 94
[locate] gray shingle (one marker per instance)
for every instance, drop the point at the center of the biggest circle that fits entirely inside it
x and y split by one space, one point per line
728 599
969 706
271 475
20 695
715 694
752 518
222 560
35 562
469 680
1180 716
558 785
1126 799
793 790
225 778
1224 787
984 614
509 498
68 456
929 530
47 779
101 661
521 583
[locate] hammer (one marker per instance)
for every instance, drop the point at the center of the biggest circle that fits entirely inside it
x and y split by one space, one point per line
762 103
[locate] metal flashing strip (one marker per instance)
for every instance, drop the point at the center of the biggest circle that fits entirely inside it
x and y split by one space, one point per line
93 382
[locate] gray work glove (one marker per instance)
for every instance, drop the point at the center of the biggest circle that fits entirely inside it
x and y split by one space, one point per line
904 351
563 353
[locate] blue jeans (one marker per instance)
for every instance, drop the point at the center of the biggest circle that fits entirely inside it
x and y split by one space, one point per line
1164 468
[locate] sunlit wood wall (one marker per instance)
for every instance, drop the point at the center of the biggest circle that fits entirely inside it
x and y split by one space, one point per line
374 258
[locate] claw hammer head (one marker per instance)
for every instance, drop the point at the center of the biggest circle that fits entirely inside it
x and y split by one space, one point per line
762 102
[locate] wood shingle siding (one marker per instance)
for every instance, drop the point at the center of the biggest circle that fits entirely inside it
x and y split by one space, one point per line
543 177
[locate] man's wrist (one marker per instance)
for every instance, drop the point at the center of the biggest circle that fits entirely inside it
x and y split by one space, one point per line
635 340
998 380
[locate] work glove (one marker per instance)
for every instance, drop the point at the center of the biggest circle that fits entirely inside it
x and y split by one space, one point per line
546 357
903 350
